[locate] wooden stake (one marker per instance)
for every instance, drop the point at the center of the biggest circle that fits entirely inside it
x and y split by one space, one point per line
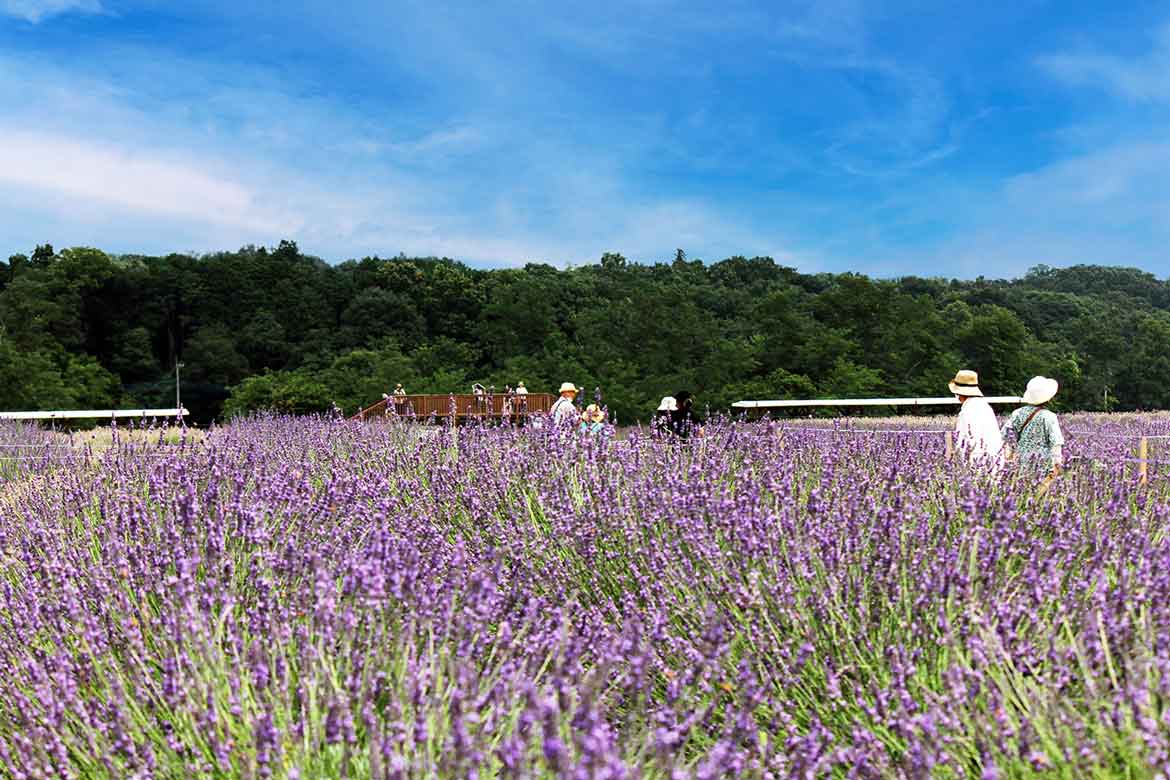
1143 457
1045 485
950 444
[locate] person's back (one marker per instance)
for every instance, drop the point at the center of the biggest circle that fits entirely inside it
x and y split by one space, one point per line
1038 435
978 435
683 420
1039 440
564 410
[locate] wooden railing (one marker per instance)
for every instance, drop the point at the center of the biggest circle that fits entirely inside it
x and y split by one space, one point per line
466 405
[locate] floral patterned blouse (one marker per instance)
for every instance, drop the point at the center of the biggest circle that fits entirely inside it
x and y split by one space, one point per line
1039 440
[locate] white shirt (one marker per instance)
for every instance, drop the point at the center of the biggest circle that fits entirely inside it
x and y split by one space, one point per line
978 431
564 410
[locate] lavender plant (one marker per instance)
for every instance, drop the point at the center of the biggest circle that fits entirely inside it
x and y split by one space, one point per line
304 598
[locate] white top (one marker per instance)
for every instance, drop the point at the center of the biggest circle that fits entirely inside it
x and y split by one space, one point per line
978 431
564 410
521 390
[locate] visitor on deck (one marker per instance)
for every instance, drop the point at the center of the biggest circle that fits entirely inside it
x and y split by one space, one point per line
977 435
1039 440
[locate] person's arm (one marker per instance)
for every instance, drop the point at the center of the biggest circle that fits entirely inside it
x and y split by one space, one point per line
964 428
1056 440
1008 428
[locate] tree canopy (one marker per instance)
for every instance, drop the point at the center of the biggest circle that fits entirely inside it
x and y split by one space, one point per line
275 328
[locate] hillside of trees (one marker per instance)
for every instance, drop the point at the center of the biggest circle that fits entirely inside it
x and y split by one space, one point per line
274 328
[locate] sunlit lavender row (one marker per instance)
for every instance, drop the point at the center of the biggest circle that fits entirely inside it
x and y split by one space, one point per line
305 598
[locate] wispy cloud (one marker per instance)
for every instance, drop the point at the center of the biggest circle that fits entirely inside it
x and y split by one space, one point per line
828 133
73 168
117 166
1110 206
1144 78
35 11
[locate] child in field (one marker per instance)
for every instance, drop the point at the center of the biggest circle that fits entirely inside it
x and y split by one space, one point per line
593 419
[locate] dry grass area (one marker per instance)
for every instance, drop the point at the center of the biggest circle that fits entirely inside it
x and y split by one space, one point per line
100 439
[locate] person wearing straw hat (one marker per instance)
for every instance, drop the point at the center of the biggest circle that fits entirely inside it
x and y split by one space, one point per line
1039 441
593 419
977 433
564 410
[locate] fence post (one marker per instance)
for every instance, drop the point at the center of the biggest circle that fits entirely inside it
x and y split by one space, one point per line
1143 457
950 444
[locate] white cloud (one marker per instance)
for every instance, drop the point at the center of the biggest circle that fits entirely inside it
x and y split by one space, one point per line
1107 207
140 182
1142 79
35 11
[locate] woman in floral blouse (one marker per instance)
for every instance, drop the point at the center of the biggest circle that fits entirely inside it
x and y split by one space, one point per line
1039 441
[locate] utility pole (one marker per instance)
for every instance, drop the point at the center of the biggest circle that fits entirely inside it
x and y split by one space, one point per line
178 401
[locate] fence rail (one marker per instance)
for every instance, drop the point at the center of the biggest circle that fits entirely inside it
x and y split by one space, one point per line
1142 449
796 403
92 414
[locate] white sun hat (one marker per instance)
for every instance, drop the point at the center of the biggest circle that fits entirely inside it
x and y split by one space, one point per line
668 404
1040 390
567 387
966 383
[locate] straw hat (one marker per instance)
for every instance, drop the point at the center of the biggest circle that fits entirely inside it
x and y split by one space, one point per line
593 413
1040 390
567 387
668 404
966 383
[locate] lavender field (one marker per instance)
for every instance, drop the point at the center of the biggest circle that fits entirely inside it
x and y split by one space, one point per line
306 598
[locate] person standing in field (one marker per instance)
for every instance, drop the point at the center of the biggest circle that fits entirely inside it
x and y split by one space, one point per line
683 420
593 419
1039 440
977 434
565 410
661 421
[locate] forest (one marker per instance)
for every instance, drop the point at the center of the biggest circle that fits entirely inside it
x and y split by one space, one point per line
274 328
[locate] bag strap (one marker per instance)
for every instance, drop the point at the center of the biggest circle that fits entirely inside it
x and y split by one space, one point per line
1027 422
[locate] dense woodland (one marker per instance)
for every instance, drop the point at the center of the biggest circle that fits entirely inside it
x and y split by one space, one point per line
274 328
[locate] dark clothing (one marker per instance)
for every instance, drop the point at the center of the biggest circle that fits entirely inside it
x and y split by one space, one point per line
684 421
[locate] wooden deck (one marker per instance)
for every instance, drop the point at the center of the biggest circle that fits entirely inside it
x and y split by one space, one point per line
466 406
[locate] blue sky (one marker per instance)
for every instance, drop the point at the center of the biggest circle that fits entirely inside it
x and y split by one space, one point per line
887 138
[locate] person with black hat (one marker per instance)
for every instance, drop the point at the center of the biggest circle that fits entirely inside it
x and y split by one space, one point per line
683 419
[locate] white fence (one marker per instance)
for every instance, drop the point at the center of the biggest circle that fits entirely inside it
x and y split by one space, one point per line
92 414
951 401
